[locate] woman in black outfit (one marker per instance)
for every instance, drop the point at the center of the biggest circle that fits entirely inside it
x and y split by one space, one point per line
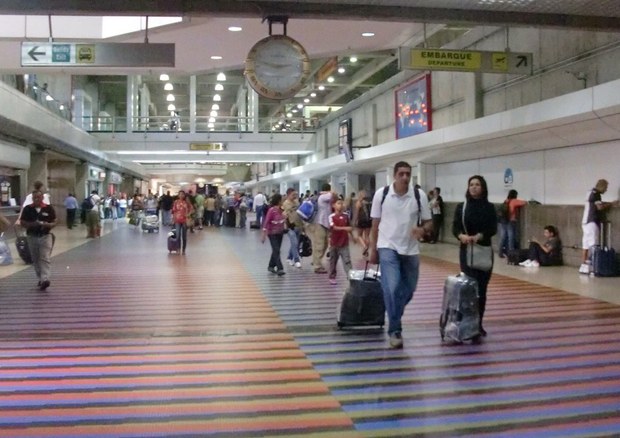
481 225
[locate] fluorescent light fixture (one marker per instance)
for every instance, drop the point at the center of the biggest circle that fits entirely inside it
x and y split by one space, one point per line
300 105
368 34
235 28
215 107
341 70
216 57
164 77
306 100
330 79
168 86
353 59
221 77
321 87
268 160
171 107
217 98
313 94
170 98
219 87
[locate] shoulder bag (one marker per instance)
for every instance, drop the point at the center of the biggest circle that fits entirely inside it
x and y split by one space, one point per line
478 256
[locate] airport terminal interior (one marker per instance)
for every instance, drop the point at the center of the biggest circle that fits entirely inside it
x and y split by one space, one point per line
133 340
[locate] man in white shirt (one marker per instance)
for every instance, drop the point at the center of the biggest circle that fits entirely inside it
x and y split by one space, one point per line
38 186
259 207
93 224
400 217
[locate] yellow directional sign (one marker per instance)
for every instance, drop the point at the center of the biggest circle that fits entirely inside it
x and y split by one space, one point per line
206 146
465 60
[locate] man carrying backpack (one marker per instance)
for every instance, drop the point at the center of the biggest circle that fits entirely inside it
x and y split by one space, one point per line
319 229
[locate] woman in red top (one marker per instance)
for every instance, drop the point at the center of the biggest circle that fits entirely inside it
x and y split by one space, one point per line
273 226
509 225
181 211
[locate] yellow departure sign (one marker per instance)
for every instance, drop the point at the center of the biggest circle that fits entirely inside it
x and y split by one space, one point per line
206 146
465 60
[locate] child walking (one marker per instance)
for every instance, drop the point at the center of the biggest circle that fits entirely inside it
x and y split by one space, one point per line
340 229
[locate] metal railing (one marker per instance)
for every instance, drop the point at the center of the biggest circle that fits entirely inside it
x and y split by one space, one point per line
202 124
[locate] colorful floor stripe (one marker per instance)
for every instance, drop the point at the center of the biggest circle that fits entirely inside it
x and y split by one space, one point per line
130 341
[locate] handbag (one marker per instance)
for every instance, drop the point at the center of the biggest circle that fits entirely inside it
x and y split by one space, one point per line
478 257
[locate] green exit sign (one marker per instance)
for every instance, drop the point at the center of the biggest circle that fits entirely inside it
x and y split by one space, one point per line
61 53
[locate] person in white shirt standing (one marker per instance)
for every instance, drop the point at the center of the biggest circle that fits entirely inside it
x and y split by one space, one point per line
259 204
400 218
93 224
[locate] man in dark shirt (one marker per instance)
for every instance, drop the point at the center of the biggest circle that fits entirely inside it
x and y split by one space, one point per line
39 218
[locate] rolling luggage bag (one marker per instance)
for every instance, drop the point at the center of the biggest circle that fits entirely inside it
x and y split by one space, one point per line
604 262
254 225
362 303
21 244
460 317
173 242
516 256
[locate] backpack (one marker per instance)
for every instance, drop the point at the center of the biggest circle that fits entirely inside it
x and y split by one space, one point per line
416 192
503 213
87 204
307 210
305 246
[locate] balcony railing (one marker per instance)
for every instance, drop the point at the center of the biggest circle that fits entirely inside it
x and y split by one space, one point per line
202 124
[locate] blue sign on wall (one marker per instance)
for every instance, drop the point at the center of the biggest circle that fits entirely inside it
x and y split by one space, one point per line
508 177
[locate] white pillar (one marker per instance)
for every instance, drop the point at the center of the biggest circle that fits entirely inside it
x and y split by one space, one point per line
192 104
352 182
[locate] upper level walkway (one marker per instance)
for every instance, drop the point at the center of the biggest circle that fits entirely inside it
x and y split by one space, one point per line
132 341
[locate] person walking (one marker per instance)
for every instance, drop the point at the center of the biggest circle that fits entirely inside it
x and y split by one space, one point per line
476 225
437 208
71 206
274 227
320 228
294 226
593 217
39 218
93 221
339 231
182 210
400 218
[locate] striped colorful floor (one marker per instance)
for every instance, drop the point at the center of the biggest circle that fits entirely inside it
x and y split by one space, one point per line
132 341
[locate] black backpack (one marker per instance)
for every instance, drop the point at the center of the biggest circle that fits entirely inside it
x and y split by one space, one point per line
305 246
87 204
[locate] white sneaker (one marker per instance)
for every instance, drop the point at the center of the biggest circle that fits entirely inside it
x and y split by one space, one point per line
525 263
584 269
291 263
534 264
298 264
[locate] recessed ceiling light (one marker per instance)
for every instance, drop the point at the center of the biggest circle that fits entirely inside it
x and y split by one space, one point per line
341 70
235 28
306 100
215 106
211 119
217 98
213 113
164 77
330 79
368 34
170 98
353 59
171 107
168 87
221 77
313 94
300 106
321 87
219 87
216 57
289 114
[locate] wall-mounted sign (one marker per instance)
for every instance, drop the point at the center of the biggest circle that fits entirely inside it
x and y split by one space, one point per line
508 177
207 147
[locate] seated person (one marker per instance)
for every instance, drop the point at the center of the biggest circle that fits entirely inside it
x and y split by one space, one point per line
545 254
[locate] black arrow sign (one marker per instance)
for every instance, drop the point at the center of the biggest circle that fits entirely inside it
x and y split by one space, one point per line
522 61
33 52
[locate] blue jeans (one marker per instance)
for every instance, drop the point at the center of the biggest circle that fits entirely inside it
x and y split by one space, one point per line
181 231
276 244
509 237
293 252
399 278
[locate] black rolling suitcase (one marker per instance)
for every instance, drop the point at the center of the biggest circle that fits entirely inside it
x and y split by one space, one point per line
362 303
460 317
21 243
604 262
173 242
254 225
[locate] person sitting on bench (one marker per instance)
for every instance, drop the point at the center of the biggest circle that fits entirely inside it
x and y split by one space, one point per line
545 254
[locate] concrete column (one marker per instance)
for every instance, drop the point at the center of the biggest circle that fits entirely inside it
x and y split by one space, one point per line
38 169
132 97
253 110
371 121
127 186
283 187
192 104
351 183
473 96
81 178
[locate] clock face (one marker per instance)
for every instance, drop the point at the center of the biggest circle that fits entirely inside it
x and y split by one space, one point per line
277 67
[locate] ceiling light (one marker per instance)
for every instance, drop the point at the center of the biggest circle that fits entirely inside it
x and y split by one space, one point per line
221 77
170 98
306 100
330 79
210 125
341 70
321 87
300 106
219 87
294 110
217 98
313 94
289 114
216 57
164 77
215 106
368 34
48 98
353 59
235 28
61 107
171 107
168 87
213 113
211 119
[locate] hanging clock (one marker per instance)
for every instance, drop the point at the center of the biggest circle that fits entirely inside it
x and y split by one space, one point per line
277 67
